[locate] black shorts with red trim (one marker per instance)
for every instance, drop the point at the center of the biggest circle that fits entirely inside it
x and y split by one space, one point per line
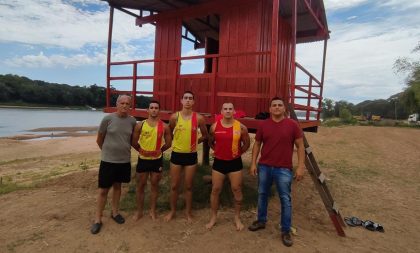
144 165
184 159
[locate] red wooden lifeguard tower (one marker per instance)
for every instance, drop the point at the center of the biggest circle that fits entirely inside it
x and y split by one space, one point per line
249 55
249 58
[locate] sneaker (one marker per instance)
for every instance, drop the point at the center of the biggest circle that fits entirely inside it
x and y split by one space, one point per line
96 227
118 218
286 239
256 225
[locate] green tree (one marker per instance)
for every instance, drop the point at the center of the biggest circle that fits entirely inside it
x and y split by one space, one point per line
327 108
411 96
342 104
345 115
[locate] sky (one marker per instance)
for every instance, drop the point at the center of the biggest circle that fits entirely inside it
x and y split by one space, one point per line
65 41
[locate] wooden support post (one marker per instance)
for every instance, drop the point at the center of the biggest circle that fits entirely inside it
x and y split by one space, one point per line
319 181
108 59
134 88
274 48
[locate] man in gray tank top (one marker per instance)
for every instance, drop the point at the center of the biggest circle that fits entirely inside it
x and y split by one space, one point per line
114 140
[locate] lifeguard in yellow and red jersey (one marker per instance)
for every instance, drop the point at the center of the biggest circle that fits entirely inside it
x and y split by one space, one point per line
185 134
151 138
184 125
229 139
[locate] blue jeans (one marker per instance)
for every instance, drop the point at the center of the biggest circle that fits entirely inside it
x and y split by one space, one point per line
282 177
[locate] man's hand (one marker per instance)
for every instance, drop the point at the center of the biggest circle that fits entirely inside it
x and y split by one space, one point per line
253 170
153 153
299 173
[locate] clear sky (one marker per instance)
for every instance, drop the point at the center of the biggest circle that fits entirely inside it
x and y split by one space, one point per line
64 41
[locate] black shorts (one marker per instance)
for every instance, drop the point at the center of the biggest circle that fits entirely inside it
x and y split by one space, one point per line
110 173
227 166
144 165
184 159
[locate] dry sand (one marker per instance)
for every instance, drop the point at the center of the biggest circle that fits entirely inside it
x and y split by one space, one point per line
373 173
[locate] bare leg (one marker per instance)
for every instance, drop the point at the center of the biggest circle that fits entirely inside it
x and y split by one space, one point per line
101 201
217 179
116 195
175 175
236 185
189 176
154 178
141 184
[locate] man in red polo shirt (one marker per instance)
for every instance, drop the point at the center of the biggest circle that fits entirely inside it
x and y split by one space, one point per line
277 135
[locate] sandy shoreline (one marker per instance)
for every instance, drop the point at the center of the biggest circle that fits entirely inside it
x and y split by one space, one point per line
55 132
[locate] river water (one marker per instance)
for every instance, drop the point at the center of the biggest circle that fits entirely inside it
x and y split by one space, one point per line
16 121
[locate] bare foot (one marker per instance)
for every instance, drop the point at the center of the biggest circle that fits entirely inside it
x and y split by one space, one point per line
169 216
137 216
189 218
211 223
239 225
153 215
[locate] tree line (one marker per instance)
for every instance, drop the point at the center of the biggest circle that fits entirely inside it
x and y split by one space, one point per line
398 106
22 90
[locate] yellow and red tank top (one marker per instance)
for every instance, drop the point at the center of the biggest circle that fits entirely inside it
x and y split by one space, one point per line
151 140
185 134
227 141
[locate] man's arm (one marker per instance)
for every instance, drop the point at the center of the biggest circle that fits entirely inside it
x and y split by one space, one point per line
172 124
211 136
168 138
244 139
136 135
203 128
255 152
301 158
100 139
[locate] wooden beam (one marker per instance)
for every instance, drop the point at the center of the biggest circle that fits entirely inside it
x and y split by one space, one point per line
198 10
317 21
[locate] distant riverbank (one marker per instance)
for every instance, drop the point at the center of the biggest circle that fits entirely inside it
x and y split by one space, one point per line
33 122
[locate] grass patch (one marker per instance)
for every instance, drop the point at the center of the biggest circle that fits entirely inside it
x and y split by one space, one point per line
11 187
22 180
354 173
201 192
17 161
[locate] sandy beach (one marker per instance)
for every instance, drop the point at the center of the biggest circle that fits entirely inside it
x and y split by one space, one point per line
372 172
54 132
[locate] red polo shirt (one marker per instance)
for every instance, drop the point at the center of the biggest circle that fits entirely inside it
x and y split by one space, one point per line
277 140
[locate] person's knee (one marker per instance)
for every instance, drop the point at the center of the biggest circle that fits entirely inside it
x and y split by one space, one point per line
237 190
174 187
237 193
154 186
188 187
116 186
103 192
216 191
286 200
141 186
263 190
